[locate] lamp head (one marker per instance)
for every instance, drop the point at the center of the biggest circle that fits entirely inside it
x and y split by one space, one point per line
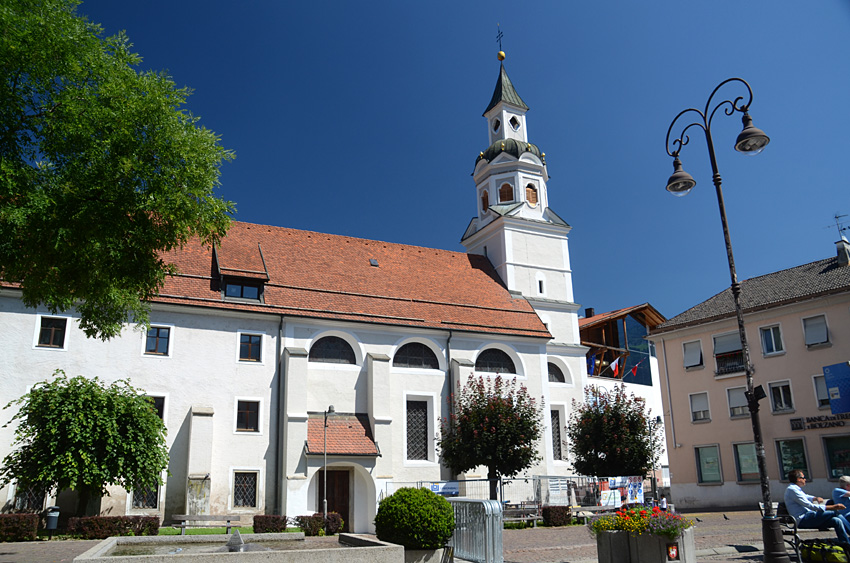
331 410
680 183
751 140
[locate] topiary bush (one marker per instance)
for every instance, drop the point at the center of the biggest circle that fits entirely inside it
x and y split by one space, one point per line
416 519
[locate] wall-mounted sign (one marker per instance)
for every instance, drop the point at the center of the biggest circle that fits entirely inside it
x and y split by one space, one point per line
837 378
823 421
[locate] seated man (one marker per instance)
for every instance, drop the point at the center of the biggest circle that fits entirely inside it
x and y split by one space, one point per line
842 492
810 512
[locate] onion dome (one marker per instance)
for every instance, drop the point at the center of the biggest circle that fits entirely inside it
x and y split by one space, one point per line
512 147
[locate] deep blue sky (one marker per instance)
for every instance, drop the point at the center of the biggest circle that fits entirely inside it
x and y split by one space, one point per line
364 119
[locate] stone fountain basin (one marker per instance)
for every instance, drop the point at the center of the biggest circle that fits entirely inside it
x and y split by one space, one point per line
351 548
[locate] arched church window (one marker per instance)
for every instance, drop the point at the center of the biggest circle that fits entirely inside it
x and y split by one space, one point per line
555 374
506 193
332 350
531 195
514 123
415 355
485 201
493 360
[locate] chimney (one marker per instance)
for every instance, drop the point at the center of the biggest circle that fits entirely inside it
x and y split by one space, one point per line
843 248
589 312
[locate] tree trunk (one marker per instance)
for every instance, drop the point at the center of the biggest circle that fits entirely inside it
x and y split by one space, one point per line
493 476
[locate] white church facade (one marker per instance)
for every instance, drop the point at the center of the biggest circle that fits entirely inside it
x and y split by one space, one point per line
253 341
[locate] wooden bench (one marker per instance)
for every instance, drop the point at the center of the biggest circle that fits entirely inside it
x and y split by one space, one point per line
522 512
184 518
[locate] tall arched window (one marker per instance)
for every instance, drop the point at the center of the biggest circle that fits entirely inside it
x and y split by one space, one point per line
332 350
555 374
485 201
415 355
494 360
531 195
506 193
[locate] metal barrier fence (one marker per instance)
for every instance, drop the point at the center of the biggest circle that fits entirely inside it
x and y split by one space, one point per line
478 530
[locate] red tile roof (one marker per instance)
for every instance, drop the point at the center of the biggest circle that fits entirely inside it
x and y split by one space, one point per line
348 434
330 276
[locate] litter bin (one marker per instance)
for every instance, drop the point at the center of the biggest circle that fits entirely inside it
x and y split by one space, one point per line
51 520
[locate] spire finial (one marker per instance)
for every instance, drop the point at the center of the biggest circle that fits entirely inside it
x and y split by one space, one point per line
499 34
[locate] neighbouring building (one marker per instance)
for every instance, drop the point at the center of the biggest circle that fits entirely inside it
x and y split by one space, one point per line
618 353
797 321
253 341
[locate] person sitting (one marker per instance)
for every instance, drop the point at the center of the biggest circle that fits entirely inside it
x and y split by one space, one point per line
810 511
841 493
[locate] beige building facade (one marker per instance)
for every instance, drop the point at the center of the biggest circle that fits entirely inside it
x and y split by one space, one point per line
797 321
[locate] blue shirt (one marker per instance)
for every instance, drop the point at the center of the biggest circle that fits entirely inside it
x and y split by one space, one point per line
839 496
799 503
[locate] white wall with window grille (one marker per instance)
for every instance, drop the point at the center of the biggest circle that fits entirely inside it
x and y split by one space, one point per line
245 489
419 428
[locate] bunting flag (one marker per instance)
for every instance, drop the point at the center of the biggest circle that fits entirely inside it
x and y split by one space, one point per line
634 368
591 364
616 367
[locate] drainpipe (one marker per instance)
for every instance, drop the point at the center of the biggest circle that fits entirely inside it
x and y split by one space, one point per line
279 470
669 395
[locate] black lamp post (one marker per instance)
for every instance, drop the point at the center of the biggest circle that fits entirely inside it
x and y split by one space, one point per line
330 411
751 140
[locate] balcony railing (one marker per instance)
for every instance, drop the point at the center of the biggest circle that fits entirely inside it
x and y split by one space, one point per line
730 362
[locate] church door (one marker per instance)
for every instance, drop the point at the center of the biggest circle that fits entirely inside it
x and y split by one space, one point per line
338 494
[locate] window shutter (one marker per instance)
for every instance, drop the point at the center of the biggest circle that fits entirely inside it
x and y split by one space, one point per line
693 354
815 328
699 402
820 388
737 398
726 343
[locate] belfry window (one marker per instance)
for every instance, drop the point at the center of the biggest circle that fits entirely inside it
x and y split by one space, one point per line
485 201
531 195
506 193
514 123
496 125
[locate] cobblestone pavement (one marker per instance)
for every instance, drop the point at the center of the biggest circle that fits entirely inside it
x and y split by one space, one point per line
736 538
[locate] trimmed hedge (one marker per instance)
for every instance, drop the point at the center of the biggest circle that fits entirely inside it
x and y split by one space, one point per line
18 527
269 523
557 515
416 519
102 527
312 525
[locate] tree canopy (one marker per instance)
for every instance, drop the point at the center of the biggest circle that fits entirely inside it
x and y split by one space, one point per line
82 434
610 434
495 423
101 168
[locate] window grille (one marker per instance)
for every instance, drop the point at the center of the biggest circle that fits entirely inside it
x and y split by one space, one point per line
245 489
146 498
415 355
493 360
417 430
557 452
29 500
332 350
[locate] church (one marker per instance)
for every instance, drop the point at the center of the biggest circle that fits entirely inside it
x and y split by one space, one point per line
283 359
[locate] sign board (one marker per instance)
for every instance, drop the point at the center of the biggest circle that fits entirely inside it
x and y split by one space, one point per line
447 489
837 378
611 498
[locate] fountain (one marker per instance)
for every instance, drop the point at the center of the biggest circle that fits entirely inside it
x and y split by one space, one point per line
266 548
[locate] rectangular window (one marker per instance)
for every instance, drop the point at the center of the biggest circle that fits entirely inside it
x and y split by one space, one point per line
699 407
250 347
417 430
771 340
837 455
52 332
816 331
29 500
242 291
146 498
791 455
157 341
746 462
693 354
247 416
245 489
557 450
728 354
780 396
737 402
158 404
821 393
708 464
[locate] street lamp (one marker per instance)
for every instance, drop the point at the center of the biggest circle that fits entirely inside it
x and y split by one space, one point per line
751 140
328 412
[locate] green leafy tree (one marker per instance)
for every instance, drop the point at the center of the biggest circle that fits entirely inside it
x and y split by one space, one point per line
495 423
610 434
82 434
101 170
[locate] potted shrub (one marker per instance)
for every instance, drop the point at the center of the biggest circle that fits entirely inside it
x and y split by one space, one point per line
648 535
421 521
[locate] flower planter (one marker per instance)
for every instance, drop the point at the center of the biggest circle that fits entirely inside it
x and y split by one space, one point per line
612 546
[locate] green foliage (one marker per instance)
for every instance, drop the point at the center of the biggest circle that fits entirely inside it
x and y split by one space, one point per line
269 523
610 434
311 525
102 171
102 527
18 527
416 519
497 424
81 434
641 520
